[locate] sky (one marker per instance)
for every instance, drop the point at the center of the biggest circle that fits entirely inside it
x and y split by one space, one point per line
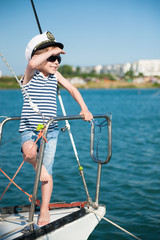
93 31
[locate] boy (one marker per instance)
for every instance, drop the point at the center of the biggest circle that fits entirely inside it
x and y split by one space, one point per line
40 82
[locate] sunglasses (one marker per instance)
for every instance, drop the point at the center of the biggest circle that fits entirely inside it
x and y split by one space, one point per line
54 58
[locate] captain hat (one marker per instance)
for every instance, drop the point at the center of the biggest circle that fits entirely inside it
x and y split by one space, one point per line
41 41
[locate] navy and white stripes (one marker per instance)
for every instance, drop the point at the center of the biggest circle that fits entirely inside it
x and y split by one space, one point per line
43 91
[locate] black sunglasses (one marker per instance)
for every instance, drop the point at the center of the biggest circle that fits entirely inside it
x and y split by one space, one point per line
54 58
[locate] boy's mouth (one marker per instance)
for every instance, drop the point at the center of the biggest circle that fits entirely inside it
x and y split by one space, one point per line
54 67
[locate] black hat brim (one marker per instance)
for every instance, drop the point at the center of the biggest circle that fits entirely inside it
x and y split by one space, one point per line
47 44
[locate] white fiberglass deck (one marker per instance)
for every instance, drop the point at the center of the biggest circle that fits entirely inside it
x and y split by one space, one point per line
79 227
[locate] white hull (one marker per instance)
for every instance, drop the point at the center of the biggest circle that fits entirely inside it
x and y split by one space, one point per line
78 226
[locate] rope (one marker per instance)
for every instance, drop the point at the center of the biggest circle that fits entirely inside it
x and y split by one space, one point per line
17 229
13 139
33 105
67 205
15 184
14 219
40 135
51 205
116 225
11 179
100 125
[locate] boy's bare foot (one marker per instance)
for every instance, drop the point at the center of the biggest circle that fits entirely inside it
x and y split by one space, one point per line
44 218
44 177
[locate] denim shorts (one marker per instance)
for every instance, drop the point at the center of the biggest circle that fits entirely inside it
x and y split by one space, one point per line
50 147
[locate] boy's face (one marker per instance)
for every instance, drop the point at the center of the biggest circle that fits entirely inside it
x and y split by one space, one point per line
50 65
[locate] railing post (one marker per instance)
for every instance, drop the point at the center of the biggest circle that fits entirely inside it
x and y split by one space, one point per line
100 162
98 184
36 183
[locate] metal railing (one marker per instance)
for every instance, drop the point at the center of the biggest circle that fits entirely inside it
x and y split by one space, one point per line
41 153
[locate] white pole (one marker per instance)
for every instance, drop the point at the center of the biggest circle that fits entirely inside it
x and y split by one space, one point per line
68 128
74 146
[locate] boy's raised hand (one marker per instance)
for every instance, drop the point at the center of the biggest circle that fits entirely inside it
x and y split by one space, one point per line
57 51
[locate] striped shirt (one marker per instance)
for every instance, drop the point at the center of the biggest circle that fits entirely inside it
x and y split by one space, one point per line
43 91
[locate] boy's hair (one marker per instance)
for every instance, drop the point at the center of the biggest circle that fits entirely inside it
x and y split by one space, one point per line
44 50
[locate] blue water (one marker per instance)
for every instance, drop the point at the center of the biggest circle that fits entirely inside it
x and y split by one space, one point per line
130 184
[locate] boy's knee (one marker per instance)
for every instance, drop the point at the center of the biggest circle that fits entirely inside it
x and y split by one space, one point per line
29 149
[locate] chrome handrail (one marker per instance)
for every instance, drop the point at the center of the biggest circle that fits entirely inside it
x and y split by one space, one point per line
41 153
3 122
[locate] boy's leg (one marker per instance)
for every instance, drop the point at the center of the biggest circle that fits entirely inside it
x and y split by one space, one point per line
30 153
47 186
29 150
46 191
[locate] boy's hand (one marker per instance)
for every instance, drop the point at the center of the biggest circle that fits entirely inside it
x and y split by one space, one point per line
87 115
57 51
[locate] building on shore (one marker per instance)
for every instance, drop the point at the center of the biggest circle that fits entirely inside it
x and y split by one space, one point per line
77 80
145 67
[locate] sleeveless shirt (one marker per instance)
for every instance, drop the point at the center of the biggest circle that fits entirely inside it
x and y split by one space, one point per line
43 91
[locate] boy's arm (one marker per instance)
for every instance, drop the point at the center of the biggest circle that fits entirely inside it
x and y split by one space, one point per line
36 60
76 95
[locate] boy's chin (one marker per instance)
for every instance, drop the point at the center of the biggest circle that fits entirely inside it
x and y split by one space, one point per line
53 72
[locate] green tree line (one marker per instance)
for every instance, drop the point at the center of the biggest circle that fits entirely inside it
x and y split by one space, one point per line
68 72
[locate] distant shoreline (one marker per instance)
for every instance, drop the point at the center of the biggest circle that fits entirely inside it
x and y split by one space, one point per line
10 83
117 85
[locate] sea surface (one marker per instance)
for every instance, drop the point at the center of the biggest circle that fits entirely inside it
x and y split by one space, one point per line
130 183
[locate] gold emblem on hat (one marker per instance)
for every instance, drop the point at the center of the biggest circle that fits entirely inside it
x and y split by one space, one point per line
50 36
